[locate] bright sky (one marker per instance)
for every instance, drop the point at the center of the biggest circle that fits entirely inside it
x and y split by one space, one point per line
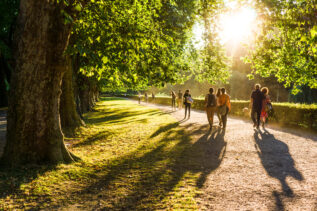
237 25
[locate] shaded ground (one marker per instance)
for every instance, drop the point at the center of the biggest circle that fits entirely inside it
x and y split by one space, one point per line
137 158
267 169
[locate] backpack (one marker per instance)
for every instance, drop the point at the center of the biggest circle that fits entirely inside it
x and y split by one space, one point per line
211 101
189 100
268 107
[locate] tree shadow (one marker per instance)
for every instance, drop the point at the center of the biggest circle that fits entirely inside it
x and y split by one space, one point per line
159 170
12 179
278 163
115 116
164 129
214 148
92 139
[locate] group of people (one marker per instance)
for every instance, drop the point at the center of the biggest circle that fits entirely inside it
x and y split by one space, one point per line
260 104
179 96
185 100
146 97
219 103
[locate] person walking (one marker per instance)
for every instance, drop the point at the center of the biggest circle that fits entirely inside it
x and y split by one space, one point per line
265 102
256 105
224 107
173 100
146 97
139 95
180 100
211 105
218 105
187 102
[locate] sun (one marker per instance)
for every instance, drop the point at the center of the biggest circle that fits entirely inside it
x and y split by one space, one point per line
237 25
234 27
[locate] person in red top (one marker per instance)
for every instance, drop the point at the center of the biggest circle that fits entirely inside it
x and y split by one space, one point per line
266 100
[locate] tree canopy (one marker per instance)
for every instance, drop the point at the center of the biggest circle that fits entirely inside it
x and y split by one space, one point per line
286 47
144 43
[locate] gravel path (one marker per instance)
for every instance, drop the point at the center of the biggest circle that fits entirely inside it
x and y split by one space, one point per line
267 169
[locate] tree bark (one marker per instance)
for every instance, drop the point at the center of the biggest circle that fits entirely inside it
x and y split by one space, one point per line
84 93
34 131
70 120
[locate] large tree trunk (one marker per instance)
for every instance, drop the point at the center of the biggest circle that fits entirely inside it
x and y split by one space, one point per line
84 93
34 131
70 120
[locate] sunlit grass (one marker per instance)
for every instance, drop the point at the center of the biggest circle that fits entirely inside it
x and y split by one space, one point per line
133 157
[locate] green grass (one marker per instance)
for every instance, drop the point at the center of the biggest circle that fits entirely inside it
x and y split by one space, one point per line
133 157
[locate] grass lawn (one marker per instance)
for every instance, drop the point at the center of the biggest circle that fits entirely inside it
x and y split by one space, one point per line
133 157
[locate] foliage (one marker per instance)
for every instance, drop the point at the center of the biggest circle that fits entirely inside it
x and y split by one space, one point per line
287 44
8 11
211 63
133 43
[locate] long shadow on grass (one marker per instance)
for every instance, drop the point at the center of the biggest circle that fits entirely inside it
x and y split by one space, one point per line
12 179
116 116
92 139
146 178
278 163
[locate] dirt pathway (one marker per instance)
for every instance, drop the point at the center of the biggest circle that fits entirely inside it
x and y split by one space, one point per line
256 170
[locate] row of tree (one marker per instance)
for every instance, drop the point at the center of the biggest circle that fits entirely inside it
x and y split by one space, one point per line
63 51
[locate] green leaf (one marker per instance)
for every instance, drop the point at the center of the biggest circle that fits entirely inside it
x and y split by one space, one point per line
105 60
313 31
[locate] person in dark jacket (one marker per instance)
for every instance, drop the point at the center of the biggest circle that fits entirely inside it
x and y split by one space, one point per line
187 102
146 97
256 105
211 105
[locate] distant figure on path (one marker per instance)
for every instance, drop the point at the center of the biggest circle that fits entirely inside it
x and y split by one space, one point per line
256 105
146 97
218 105
187 102
180 99
153 96
173 94
224 107
139 95
211 105
266 101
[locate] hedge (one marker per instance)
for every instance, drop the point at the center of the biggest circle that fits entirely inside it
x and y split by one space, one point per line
286 114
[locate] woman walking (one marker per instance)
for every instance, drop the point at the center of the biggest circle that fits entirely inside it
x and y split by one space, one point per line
265 102
210 104
224 107
218 105
173 100
187 102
